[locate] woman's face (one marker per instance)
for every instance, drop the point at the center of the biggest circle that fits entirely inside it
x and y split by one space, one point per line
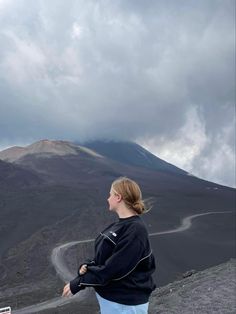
113 200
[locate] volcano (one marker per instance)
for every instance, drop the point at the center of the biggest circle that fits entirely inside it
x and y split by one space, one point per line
54 192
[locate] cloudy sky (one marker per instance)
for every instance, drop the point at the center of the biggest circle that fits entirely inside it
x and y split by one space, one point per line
160 73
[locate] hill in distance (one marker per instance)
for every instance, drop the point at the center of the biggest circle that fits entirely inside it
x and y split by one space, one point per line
123 152
63 161
45 148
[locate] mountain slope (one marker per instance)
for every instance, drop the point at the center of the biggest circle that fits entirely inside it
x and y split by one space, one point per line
132 154
15 176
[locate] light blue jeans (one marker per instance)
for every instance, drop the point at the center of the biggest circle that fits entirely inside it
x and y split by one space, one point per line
109 307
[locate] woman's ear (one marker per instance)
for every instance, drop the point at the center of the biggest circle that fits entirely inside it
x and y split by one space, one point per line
119 197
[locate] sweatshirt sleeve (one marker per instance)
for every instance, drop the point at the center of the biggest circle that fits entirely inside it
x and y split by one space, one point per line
129 251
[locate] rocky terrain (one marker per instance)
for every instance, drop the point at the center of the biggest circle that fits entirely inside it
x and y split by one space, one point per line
210 291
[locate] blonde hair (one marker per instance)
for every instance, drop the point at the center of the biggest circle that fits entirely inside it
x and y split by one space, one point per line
131 194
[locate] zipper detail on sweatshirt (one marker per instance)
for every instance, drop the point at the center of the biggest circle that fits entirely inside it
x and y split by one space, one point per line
107 237
134 267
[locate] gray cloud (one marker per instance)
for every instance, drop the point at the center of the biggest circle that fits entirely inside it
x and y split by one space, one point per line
159 72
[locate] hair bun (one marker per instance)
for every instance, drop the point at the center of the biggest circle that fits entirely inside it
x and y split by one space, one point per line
139 207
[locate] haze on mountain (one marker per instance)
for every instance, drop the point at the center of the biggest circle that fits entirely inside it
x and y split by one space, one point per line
54 192
159 73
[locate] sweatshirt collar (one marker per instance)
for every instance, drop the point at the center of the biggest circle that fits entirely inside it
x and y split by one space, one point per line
134 217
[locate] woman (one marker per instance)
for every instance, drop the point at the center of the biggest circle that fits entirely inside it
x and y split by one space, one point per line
121 270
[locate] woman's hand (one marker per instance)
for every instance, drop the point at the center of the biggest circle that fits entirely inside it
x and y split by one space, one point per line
83 269
66 291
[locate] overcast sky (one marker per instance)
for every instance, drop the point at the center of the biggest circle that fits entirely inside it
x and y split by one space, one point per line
160 73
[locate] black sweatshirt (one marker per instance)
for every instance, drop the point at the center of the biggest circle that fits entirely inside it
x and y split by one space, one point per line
123 264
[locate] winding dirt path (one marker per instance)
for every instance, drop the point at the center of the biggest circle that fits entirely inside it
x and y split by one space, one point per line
65 274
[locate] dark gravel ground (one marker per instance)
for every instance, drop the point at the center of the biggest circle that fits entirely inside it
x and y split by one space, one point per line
210 291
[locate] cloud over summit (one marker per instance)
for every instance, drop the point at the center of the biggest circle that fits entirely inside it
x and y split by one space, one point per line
159 72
